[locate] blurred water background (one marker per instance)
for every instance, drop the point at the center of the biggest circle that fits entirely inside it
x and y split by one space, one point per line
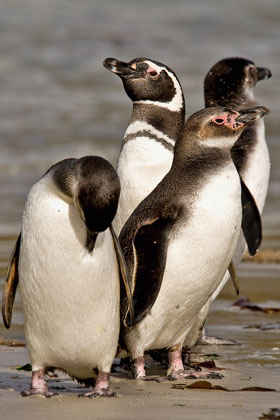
58 101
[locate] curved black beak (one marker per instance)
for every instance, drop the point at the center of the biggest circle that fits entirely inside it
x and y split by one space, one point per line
119 67
263 73
250 115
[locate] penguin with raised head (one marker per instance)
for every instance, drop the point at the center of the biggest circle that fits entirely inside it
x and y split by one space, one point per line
179 241
231 82
156 122
66 264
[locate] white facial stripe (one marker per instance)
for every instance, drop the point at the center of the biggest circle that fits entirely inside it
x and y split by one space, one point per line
249 92
141 126
177 102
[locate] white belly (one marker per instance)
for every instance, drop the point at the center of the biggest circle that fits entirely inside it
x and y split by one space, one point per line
142 164
70 297
197 258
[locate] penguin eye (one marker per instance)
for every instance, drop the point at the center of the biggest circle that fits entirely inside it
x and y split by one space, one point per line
152 71
218 120
253 71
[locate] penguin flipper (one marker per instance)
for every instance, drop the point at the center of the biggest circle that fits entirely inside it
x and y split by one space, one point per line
233 276
10 285
124 275
149 245
251 220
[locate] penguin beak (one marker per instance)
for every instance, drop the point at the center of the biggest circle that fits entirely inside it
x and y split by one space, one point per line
250 115
263 73
119 67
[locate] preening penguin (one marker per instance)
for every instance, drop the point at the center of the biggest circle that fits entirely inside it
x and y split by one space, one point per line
66 264
231 82
156 122
179 241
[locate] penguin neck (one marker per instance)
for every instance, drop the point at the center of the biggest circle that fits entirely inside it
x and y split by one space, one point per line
192 152
230 97
159 119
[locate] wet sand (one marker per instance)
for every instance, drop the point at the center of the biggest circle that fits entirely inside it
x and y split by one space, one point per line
255 363
146 400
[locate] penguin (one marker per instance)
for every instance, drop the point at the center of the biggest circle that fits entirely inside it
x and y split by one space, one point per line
230 82
66 262
157 120
178 243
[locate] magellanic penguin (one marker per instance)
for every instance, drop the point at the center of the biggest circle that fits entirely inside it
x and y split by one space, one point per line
157 120
66 264
179 241
230 82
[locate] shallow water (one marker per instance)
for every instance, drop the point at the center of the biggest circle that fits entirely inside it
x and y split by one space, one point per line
58 101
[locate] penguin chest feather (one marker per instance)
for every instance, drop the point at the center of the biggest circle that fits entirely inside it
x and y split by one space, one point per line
142 164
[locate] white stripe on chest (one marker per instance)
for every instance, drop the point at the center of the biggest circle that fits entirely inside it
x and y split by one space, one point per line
143 162
138 126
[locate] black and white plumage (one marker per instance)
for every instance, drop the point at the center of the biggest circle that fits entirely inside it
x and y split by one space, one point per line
179 241
67 268
156 122
231 82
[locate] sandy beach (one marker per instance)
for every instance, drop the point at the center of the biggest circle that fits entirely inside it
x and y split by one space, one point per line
148 400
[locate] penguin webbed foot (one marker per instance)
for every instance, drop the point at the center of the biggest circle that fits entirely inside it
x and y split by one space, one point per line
139 373
177 371
138 368
38 386
101 388
33 391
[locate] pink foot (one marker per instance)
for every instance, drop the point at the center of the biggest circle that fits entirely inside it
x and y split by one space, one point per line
176 368
38 385
138 372
101 388
138 368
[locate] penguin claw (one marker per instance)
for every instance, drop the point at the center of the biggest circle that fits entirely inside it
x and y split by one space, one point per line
33 391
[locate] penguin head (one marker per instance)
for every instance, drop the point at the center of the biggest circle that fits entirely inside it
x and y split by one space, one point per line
148 81
97 193
220 126
231 81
